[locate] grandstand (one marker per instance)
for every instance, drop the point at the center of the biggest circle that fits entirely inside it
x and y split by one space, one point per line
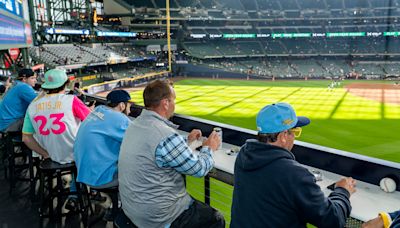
66 54
56 55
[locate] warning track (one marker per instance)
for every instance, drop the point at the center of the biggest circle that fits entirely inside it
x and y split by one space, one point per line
381 92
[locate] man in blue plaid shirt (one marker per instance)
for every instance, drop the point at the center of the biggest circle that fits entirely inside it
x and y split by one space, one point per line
153 158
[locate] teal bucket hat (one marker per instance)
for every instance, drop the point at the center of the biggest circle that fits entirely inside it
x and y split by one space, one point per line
54 79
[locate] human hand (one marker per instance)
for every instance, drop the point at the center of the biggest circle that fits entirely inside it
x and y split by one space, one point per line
7 83
347 183
92 105
78 91
374 223
194 135
213 141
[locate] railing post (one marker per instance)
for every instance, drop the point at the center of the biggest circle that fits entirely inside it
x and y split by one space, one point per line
207 190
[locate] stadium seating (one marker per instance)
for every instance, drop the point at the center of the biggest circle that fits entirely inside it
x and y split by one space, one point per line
302 68
67 54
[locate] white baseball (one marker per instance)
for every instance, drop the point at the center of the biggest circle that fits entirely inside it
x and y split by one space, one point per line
388 184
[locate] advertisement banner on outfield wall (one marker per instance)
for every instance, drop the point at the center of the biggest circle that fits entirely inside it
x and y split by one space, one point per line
88 77
96 89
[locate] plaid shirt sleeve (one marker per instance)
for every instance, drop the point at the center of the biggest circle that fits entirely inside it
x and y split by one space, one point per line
174 152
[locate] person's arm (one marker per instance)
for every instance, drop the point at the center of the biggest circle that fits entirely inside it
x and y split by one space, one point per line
315 208
120 128
80 110
29 140
173 152
7 84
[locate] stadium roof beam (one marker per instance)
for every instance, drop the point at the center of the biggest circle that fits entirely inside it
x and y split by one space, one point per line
50 12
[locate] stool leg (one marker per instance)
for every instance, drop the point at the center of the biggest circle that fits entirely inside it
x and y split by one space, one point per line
89 201
41 195
50 197
114 201
82 207
60 189
5 160
4 155
31 174
11 165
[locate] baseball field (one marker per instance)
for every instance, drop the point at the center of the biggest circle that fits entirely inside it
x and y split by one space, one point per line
356 116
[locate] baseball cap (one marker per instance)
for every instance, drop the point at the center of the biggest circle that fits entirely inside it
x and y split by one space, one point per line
278 117
25 73
117 96
54 79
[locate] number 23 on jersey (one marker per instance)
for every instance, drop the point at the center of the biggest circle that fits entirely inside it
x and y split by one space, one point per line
56 126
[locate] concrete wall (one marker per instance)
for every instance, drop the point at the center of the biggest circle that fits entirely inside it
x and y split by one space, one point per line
191 70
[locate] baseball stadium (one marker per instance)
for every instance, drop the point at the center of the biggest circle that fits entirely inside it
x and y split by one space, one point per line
223 62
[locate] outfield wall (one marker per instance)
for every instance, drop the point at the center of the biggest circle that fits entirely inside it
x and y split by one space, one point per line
124 82
206 72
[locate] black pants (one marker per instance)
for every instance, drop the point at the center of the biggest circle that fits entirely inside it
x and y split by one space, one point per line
199 215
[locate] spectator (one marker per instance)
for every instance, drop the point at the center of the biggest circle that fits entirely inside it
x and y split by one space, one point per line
54 119
78 83
272 189
384 220
106 125
5 86
16 101
152 160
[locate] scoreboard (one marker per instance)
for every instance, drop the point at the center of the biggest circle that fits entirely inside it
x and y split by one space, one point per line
15 28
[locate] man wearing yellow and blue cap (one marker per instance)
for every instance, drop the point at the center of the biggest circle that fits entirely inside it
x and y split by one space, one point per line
272 189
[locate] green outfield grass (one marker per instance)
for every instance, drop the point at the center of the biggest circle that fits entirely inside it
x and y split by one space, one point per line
339 119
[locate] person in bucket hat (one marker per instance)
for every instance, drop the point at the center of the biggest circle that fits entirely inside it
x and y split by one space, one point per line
52 121
271 189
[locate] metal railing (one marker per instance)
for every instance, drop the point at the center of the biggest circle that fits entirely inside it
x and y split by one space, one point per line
216 189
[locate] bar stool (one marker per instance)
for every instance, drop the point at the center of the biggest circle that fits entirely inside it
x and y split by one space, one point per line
50 170
3 152
113 193
16 149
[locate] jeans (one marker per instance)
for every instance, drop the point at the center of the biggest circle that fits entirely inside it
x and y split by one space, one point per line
199 215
